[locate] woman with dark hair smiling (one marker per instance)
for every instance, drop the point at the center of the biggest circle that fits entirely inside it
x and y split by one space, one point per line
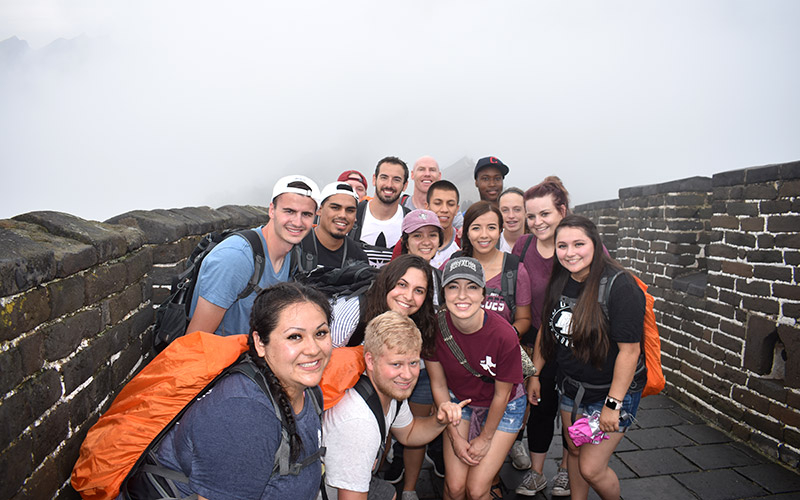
225 444
477 357
598 349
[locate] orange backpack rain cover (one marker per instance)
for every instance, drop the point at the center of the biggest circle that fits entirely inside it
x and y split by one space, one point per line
343 370
652 346
146 405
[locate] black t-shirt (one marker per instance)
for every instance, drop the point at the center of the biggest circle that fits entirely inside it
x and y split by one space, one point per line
333 258
626 319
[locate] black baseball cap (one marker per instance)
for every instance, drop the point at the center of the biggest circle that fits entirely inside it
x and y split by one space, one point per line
491 161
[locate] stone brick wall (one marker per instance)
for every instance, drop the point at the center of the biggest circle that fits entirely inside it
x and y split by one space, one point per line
721 257
76 314
606 215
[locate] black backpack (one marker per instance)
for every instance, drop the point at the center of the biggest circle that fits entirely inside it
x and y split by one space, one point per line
172 316
149 479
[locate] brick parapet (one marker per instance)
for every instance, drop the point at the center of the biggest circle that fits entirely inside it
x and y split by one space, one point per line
76 313
721 257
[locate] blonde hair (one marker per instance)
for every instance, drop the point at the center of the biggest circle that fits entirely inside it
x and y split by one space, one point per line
392 330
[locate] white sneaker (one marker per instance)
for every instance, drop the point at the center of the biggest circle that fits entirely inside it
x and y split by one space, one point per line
561 484
520 458
532 484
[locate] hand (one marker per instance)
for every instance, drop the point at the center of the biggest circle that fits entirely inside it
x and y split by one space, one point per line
609 420
479 447
460 447
450 413
534 389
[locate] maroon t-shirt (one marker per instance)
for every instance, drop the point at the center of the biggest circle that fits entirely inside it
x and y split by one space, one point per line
493 351
494 300
539 269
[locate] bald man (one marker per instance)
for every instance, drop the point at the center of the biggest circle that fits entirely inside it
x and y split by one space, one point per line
426 172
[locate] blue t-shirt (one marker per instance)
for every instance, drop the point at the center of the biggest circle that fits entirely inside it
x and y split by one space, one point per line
225 272
226 442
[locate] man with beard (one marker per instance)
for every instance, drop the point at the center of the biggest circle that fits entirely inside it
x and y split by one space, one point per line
328 244
350 432
379 221
226 271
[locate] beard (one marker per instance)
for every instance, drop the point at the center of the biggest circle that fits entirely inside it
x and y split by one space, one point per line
388 201
387 387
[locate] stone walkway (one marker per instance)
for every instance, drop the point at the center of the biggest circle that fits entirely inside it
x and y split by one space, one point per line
671 454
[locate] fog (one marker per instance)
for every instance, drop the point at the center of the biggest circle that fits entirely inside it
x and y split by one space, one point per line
110 106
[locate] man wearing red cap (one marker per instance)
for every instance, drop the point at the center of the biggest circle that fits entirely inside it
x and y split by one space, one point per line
357 180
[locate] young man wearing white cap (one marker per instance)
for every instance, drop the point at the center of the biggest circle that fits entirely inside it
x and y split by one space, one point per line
228 268
328 244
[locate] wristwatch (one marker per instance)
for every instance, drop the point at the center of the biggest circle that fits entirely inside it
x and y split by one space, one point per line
613 403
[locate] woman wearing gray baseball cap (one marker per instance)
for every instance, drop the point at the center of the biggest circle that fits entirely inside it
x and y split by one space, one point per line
477 357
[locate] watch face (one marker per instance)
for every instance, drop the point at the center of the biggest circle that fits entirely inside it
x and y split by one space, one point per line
614 405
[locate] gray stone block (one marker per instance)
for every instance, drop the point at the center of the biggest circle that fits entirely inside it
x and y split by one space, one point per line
157 227
716 456
722 484
653 488
23 262
703 434
107 240
656 462
772 477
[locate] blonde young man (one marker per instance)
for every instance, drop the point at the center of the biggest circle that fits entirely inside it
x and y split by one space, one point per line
350 432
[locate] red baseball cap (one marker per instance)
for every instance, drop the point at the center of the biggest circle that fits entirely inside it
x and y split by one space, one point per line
352 174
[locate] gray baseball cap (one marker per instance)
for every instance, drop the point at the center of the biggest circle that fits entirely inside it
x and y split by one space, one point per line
466 268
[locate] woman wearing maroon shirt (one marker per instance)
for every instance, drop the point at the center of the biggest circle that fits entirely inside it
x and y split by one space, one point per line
490 376
545 205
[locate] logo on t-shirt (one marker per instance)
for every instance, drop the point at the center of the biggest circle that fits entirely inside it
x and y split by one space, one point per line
487 365
494 302
561 323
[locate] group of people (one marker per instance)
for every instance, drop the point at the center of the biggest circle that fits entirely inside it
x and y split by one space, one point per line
459 302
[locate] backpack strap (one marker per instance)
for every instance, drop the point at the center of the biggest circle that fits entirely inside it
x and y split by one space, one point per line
508 282
281 464
604 290
525 247
447 336
361 208
259 261
367 391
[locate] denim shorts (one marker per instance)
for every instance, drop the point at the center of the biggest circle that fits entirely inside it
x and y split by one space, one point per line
422 391
513 417
630 405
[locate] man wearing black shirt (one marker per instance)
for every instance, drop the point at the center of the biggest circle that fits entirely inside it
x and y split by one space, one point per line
328 241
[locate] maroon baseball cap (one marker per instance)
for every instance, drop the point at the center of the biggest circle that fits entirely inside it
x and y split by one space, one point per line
351 174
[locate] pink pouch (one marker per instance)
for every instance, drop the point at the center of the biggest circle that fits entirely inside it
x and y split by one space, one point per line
587 430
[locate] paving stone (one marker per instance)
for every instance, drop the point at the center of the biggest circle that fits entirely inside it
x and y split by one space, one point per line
659 417
622 470
656 462
626 445
687 415
653 488
723 484
657 401
716 456
702 434
658 437
772 477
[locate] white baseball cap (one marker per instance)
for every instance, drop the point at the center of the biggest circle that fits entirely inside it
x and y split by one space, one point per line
337 187
282 186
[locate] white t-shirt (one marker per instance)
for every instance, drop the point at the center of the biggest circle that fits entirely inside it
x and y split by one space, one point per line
443 255
371 231
391 228
352 439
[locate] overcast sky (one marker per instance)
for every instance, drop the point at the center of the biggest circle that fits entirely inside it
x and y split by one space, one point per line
162 104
